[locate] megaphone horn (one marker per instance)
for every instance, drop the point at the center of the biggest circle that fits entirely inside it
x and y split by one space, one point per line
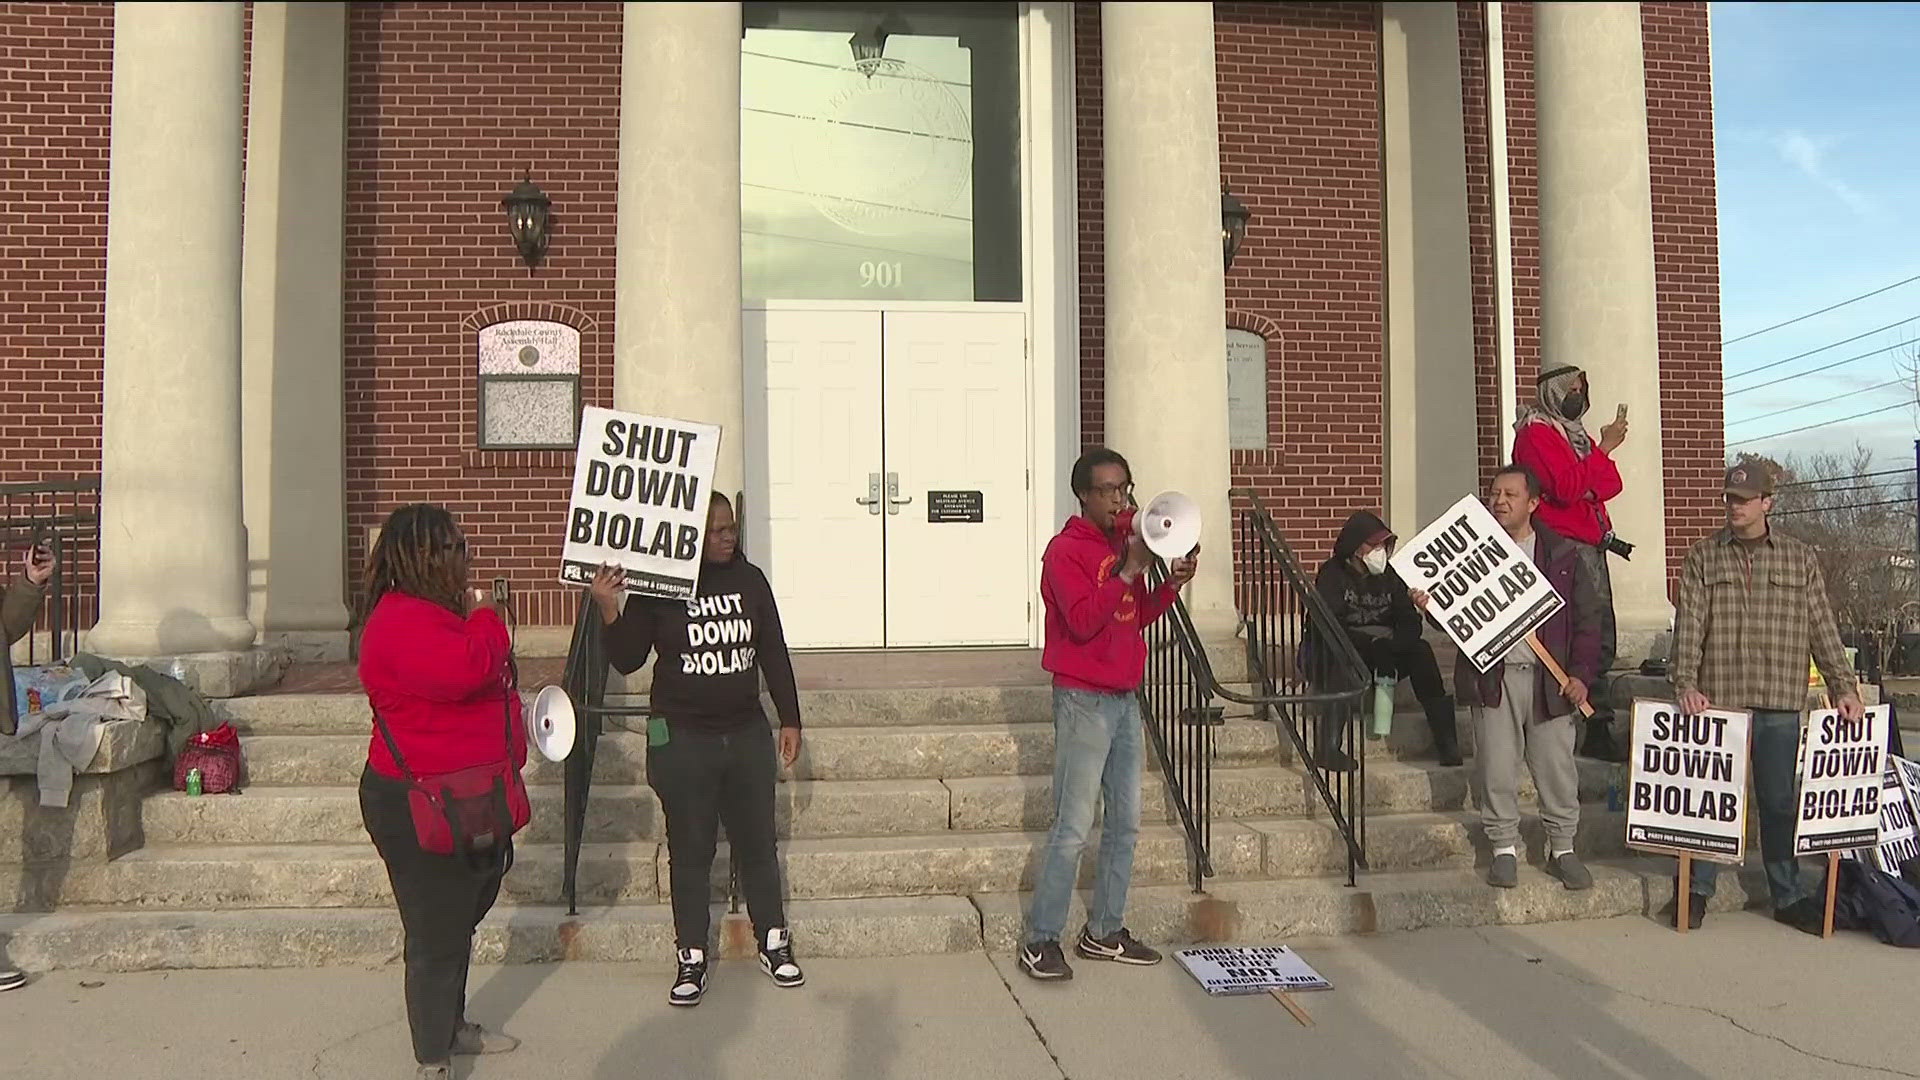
1169 524
552 726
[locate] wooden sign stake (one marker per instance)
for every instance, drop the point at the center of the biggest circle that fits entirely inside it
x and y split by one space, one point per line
1833 885
1684 893
1292 1006
1553 668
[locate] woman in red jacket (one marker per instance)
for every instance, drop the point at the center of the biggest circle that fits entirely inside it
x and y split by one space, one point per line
1577 478
434 660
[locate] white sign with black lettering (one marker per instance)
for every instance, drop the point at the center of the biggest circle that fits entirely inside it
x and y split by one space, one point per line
1842 766
1687 792
640 491
1899 839
1484 590
1249 969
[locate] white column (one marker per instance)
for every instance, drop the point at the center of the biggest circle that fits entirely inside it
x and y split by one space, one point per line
1166 371
292 379
676 324
1430 411
1597 305
173 556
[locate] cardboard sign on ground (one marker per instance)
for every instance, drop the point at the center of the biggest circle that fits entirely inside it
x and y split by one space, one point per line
1687 791
1249 969
1484 590
641 485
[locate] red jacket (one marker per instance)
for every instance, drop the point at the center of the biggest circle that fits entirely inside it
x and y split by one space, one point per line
1094 618
1574 490
440 683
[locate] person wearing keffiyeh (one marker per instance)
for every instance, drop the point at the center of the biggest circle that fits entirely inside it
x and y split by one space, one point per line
1577 478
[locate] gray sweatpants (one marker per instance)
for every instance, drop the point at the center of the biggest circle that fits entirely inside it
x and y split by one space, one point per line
1502 734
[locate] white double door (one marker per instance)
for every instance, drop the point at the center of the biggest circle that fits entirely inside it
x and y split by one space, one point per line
897 504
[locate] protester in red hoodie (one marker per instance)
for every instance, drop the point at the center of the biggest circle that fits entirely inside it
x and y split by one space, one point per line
434 660
1093 585
1577 479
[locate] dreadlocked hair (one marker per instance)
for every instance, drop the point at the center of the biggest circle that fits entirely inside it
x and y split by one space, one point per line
419 553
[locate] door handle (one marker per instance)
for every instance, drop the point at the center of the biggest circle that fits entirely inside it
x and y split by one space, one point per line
872 501
894 501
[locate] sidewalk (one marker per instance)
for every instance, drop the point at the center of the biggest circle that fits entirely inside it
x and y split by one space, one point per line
1743 997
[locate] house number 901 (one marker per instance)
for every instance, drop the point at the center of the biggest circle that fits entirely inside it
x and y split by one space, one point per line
885 275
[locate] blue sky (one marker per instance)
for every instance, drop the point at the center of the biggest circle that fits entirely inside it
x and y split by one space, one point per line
1817 133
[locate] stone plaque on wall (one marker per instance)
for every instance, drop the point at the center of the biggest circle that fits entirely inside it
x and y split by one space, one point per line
529 371
529 347
1246 390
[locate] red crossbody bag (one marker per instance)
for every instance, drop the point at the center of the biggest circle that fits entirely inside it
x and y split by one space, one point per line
472 811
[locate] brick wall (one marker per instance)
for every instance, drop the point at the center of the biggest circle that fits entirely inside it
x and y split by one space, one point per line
56 85
447 103
1686 263
1300 146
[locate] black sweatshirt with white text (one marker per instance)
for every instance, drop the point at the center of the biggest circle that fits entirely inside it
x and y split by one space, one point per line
712 650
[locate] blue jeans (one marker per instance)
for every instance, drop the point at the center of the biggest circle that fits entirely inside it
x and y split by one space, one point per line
1097 746
1776 746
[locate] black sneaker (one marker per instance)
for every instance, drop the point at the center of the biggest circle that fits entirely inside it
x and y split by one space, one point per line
1044 960
1696 912
1119 947
1807 915
11 979
776 959
690 985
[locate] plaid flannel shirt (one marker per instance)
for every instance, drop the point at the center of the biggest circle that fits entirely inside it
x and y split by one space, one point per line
1745 627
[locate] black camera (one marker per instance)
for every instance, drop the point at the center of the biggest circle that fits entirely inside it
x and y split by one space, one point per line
1616 545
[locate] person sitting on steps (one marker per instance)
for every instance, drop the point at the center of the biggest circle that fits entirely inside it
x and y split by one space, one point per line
1373 606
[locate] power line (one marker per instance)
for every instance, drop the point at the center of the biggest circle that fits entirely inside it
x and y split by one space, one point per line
1884 486
1824 348
1838 509
1822 311
1818 370
1823 423
1855 476
1822 401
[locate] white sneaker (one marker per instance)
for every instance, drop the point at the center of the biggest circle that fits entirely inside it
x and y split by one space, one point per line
690 985
776 959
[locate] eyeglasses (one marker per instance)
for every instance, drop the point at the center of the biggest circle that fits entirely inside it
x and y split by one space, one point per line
1108 491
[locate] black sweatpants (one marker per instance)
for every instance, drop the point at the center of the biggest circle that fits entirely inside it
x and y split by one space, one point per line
1405 658
703 778
441 899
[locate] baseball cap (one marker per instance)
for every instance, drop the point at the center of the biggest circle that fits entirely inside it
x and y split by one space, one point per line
1749 480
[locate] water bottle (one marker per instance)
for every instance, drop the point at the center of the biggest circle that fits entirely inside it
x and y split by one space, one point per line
193 781
1383 705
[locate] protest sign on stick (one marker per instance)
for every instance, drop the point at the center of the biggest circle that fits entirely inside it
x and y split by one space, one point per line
1899 839
1842 770
641 485
1687 788
1482 589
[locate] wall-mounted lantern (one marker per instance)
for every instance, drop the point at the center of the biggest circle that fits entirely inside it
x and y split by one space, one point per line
527 208
1233 225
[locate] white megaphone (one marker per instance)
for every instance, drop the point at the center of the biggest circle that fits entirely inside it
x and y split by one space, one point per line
551 728
1169 525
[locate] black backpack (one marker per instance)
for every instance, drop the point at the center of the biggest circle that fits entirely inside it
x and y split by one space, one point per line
1868 899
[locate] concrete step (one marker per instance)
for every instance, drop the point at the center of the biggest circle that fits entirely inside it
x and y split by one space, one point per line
618 813
615 813
347 714
883 753
1166 916
350 874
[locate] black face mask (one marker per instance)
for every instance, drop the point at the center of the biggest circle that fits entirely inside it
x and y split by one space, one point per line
1574 405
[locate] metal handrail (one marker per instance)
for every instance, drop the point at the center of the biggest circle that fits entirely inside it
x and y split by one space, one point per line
1188 774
